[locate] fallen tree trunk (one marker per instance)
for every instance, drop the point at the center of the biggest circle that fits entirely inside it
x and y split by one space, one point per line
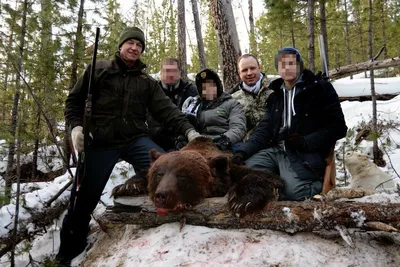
367 97
364 66
285 216
39 219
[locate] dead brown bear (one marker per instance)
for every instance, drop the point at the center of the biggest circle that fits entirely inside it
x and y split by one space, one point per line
181 178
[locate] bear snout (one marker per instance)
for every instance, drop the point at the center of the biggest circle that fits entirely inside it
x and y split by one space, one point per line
161 197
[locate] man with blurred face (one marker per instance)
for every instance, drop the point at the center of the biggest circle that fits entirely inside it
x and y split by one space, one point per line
252 92
178 91
302 122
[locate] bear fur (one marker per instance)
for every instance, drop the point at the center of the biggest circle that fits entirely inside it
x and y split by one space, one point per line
364 173
183 178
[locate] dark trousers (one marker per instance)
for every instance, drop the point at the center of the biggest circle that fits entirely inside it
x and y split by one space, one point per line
300 182
99 165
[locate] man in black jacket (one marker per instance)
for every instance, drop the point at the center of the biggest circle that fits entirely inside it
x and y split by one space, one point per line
122 95
302 122
178 91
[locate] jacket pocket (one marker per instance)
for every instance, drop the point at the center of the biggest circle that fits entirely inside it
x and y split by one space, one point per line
102 128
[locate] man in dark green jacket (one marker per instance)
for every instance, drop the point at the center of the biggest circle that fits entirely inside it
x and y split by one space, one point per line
122 96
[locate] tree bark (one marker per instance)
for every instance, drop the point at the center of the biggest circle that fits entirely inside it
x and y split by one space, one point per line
14 112
378 159
227 7
324 32
182 39
288 216
311 36
252 39
364 66
226 47
347 38
199 36
78 45
14 235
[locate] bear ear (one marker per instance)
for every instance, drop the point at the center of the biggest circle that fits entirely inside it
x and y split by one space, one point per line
220 163
154 155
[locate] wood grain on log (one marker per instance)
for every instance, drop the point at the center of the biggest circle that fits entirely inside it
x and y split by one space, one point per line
288 216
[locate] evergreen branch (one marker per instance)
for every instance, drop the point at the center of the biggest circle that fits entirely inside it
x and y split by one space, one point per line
49 125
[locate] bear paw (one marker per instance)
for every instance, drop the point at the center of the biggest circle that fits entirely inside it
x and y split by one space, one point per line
253 192
131 187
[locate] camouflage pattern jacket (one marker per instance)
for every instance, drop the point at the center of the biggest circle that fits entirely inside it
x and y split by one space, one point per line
254 105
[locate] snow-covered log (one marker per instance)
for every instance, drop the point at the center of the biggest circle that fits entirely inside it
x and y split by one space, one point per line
40 220
304 216
364 66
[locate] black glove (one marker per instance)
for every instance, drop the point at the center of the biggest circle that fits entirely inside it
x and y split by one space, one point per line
180 142
297 142
283 134
238 158
223 143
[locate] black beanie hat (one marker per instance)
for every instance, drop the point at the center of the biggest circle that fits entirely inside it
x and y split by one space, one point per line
131 33
208 74
290 50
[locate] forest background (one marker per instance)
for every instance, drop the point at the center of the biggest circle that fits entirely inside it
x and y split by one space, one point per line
46 44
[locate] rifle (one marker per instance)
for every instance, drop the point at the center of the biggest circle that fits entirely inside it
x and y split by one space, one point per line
80 168
324 62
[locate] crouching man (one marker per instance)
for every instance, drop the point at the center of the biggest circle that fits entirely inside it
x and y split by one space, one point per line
302 122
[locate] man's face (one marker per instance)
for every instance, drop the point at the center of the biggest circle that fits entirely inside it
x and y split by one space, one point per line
288 68
249 71
170 73
131 50
209 90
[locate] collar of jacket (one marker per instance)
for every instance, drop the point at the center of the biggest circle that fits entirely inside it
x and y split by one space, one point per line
177 87
139 65
308 80
263 85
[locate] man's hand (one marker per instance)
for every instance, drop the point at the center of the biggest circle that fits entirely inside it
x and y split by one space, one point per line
192 134
297 142
180 142
223 142
238 158
77 138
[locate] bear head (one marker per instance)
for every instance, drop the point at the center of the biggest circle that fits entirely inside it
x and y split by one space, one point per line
183 178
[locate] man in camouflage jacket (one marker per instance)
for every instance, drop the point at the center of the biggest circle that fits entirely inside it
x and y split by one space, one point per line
252 92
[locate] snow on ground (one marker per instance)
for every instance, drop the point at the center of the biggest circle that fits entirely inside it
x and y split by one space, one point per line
201 246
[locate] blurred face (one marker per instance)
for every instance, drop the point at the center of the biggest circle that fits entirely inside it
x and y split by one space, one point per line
249 71
170 73
131 50
209 90
288 68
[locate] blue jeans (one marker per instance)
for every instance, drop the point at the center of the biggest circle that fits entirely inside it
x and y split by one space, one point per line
98 168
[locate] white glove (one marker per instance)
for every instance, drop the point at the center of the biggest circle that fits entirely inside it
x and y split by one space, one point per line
77 138
192 134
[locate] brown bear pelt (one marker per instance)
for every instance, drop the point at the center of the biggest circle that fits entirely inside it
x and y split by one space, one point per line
184 178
